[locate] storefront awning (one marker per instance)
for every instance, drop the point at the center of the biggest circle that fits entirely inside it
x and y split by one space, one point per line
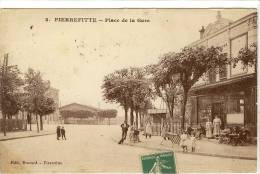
236 80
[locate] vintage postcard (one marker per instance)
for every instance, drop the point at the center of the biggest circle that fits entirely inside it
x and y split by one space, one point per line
128 90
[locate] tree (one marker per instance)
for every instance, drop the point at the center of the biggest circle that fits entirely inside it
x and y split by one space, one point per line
116 89
247 56
166 86
46 106
10 85
128 87
190 64
36 88
108 113
140 91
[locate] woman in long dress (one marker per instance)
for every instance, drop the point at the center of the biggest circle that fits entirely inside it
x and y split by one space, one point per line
208 129
216 124
163 133
148 129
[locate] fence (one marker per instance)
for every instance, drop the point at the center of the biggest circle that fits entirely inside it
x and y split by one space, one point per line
173 127
13 125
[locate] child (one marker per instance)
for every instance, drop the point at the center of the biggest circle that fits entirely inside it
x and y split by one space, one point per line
193 142
183 142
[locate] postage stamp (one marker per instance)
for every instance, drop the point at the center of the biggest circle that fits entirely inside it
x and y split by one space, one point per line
159 163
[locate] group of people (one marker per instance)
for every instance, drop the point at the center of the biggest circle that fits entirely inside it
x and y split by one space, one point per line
213 128
188 140
60 131
134 132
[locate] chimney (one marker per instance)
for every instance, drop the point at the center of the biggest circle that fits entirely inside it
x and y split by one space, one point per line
202 30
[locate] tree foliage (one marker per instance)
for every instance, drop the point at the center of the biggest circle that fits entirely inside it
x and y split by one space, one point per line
11 83
108 113
189 65
128 87
247 56
166 86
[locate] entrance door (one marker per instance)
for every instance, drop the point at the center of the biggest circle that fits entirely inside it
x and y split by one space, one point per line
218 109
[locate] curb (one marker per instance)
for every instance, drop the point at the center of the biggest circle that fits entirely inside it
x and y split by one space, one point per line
30 136
195 153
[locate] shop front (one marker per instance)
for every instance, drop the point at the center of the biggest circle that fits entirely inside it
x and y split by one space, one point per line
234 103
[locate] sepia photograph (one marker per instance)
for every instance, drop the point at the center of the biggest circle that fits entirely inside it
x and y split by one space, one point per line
128 90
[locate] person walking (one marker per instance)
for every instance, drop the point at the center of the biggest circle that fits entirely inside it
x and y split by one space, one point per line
58 132
62 131
163 133
124 128
136 133
148 129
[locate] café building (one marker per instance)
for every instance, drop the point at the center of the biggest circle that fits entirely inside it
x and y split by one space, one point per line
231 94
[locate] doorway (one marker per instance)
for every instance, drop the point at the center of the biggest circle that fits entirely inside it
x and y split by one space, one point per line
218 109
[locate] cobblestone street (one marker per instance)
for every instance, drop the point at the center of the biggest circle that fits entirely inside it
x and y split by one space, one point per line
91 148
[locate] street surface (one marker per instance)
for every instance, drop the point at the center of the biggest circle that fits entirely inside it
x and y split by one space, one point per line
94 148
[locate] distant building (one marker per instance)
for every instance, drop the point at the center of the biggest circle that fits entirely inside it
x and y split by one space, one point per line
75 113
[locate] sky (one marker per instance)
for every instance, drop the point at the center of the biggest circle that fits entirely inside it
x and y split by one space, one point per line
75 56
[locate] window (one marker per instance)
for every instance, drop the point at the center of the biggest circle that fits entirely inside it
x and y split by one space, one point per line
212 76
236 45
223 72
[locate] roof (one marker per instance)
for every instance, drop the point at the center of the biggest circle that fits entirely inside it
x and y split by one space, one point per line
223 28
78 107
224 82
217 25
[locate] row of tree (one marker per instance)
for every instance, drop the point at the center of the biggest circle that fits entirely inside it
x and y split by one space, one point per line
130 88
25 93
170 79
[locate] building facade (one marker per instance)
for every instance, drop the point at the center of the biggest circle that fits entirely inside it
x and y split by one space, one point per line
230 93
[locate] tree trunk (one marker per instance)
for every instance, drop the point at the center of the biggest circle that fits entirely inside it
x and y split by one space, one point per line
37 123
24 125
30 121
185 97
41 123
131 116
136 118
126 117
4 124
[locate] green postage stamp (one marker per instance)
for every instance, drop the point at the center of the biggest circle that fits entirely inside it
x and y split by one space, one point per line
159 163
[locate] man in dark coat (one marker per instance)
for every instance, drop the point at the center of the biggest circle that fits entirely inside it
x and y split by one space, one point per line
124 127
58 132
62 131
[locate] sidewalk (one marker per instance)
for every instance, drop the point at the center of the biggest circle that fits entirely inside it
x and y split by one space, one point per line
47 130
204 147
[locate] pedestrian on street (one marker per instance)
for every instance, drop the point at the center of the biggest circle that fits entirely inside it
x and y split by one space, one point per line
124 127
136 132
148 129
58 132
163 133
63 133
